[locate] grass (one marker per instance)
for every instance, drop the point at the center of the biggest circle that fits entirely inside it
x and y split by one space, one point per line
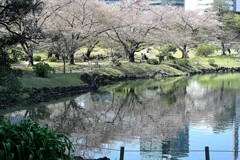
72 78
135 69
54 80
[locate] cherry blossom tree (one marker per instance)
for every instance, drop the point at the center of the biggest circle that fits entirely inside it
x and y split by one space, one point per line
183 28
78 22
131 25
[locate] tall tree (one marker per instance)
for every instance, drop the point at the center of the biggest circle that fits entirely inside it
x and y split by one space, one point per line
78 22
221 8
12 31
16 21
231 26
131 26
21 23
183 28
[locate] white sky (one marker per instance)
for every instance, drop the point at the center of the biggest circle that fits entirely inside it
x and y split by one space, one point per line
191 4
194 4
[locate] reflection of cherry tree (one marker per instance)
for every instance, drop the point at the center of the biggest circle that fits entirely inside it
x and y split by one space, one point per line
184 28
215 105
97 119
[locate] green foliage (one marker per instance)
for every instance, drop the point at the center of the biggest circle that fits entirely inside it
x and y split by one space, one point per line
42 69
28 140
117 63
181 62
37 58
10 87
52 59
152 61
55 80
212 62
232 21
205 50
11 15
167 50
15 55
220 7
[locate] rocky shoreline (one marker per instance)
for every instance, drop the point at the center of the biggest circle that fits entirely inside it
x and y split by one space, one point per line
93 79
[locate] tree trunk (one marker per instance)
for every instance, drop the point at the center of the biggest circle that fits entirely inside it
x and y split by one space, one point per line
57 55
4 60
131 57
223 48
71 59
64 63
91 47
184 51
28 49
49 54
89 51
229 51
30 59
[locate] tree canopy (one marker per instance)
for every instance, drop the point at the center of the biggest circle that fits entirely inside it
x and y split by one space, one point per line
14 15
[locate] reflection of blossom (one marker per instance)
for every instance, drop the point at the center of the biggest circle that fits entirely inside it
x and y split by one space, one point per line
95 121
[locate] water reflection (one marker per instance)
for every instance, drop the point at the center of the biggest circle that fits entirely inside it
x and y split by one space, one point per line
157 119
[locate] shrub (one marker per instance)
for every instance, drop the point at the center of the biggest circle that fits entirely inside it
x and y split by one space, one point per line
211 62
167 50
28 140
181 62
205 50
37 58
117 63
52 59
152 61
16 55
42 69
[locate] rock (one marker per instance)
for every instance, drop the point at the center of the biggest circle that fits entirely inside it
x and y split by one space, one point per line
104 158
78 158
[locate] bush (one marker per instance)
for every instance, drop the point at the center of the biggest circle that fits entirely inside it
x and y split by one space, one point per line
28 140
167 50
52 59
37 58
181 62
211 62
10 87
117 63
152 61
42 69
205 50
16 55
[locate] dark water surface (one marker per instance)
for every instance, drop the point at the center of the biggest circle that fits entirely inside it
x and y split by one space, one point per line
167 119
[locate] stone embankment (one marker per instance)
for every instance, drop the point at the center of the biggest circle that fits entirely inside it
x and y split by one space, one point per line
46 94
94 79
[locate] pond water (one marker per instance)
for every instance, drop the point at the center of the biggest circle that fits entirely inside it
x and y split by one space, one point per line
165 119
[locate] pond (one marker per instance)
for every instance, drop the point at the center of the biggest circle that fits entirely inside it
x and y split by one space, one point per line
164 119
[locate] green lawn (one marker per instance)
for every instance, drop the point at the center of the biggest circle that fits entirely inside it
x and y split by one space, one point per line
73 79
54 80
